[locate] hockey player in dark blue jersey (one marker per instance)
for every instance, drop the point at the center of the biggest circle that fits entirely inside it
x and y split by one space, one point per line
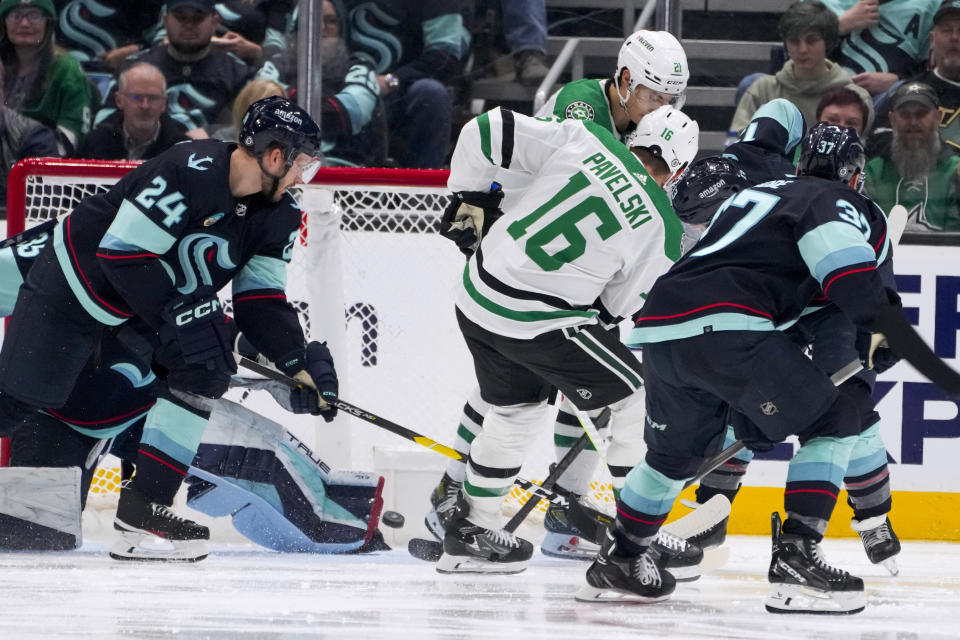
243 455
154 250
760 155
714 350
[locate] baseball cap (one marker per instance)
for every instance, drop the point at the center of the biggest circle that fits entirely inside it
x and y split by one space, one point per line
204 6
914 92
948 6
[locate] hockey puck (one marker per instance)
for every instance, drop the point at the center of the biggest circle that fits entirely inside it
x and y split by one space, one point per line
392 519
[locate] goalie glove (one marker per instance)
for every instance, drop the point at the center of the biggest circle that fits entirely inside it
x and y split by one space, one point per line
469 217
313 369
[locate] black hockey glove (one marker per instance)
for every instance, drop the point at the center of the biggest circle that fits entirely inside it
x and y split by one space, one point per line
313 368
469 217
874 351
198 331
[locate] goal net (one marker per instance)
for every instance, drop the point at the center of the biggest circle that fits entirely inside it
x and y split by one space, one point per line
371 277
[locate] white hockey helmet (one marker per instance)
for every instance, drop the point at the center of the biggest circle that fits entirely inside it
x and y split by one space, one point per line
668 134
657 61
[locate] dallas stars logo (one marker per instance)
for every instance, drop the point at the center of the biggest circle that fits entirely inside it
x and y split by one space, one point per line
579 110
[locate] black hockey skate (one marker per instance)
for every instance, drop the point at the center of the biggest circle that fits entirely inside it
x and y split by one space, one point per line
879 541
614 577
470 548
678 556
574 530
140 523
803 582
443 502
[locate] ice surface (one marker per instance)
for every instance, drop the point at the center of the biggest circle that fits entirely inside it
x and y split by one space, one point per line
245 592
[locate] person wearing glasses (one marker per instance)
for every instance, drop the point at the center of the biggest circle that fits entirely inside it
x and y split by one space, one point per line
140 128
202 79
42 81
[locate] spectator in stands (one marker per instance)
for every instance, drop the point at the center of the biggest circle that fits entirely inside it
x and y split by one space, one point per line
254 90
944 77
42 81
353 118
808 30
259 33
883 41
20 137
140 128
417 48
917 172
525 30
202 80
101 34
846 108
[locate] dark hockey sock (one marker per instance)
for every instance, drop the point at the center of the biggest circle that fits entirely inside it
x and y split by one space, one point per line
724 480
635 530
158 475
808 505
869 494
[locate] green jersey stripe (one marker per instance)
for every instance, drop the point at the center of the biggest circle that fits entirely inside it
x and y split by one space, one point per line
483 123
512 314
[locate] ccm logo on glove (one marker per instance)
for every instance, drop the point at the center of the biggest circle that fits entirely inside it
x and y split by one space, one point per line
197 312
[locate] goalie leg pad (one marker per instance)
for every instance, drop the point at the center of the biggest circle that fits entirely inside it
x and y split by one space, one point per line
40 509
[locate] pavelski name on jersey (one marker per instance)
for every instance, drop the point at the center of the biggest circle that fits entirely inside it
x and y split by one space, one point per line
585 229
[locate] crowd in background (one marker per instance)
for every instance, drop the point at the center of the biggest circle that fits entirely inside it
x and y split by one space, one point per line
110 79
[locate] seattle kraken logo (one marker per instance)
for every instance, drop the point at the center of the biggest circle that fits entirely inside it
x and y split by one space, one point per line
191 252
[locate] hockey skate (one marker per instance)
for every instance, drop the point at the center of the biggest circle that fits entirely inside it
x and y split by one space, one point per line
151 531
574 530
443 502
706 527
470 548
680 557
803 582
614 577
879 541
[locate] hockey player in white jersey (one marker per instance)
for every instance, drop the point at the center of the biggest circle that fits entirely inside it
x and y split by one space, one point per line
651 72
582 238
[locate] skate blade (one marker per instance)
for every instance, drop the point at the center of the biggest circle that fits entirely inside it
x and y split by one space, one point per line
146 548
685 574
593 594
469 564
890 564
786 598
559 545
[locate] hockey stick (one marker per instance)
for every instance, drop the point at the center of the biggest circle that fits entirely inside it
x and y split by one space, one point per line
839 377
27 234
409 434
343 405
896 223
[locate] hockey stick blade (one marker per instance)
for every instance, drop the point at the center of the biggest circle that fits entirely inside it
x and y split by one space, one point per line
343 405
838 378
423 549
896 223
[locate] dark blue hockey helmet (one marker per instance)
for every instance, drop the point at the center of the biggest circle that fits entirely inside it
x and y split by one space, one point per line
697 195
833 153
276 121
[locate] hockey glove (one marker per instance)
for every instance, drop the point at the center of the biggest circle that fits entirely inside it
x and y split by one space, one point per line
874 351
469 217
313 368
196 326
